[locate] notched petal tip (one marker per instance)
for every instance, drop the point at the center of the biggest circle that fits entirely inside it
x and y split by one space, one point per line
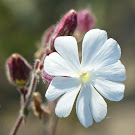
60 115
87 125
48 96
97 32
121 95
61 39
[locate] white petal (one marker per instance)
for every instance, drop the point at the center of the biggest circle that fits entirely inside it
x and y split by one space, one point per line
83 107
113 91
65 103
109 54
98 105
55 65
114 72
92 43
60 85
67 47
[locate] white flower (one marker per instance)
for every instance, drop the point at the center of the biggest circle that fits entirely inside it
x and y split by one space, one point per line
99 72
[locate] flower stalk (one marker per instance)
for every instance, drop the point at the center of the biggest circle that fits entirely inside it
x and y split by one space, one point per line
17 125
24 106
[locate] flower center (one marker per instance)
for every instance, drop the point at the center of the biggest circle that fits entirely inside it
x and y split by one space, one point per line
85 77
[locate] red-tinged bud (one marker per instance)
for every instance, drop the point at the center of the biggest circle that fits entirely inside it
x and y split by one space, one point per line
18 70
46 77
66 27
86 20
46 36
44 45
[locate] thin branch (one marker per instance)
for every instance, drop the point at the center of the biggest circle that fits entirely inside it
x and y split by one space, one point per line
24 106
17 125
31 90
53 124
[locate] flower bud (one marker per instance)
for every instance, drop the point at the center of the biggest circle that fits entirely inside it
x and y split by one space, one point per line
86 20
46 77
40 52
18 70
46 36
66 27
44 45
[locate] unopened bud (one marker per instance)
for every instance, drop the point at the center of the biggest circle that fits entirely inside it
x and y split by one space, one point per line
46 77
40 52
46 36
86 20
44 45
66 27
18 70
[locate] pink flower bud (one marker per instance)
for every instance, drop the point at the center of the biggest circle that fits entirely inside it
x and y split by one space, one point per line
66 27
46 36
86 20
18 70
48 78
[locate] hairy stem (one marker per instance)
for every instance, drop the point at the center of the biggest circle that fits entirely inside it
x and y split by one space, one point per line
24 106
31 90
17 125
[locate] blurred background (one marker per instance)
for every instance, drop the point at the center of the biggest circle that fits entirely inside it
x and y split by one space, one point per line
22 23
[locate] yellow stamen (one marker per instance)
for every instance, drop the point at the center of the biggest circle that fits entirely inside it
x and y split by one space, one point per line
85 77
